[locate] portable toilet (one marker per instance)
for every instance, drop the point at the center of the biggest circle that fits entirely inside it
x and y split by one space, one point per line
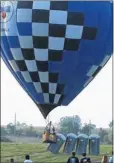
82 142
70 143
94 144
54 148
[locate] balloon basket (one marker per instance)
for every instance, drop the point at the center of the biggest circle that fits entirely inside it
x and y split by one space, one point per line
49 138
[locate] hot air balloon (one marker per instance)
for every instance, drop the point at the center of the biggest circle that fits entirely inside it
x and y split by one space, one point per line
55 49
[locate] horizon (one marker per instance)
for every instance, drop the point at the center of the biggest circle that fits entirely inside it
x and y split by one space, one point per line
42 127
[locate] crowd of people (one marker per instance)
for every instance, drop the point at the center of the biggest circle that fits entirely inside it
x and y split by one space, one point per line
85 159
74 159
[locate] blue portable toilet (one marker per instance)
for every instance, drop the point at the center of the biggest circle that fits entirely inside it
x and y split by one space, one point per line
54 148
82 142
94 144
70 143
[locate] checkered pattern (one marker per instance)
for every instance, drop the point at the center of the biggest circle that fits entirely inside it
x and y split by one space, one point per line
95 69
45 30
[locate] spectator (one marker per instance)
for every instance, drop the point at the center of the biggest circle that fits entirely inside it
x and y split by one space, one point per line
85 159
111 159
27 159
88 160
12 160
104 159
73 159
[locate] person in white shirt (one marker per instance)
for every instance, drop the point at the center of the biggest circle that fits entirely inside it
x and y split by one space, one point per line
27 159
111 159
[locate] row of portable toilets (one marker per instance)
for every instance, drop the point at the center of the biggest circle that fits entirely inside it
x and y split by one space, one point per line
79 144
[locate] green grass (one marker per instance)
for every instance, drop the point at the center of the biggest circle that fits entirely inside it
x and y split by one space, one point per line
39 154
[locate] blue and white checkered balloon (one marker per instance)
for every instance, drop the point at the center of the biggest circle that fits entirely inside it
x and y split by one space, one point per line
55 48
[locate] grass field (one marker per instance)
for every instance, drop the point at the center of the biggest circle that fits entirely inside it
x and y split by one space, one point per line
38 153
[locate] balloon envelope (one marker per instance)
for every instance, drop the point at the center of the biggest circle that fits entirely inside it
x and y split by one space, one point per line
55 49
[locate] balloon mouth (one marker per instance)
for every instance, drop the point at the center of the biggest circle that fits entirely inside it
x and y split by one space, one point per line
46 108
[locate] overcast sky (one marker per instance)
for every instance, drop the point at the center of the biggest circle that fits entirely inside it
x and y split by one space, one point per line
94 103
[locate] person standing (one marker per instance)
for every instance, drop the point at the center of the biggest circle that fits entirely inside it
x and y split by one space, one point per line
104 159
111 159
85 159
27 159
12 160
73 158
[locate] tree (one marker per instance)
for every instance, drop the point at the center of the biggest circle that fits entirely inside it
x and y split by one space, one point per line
30 131
70 124
11 128
19 132
3 131
87 128
111 124
102 133
110 137
105 139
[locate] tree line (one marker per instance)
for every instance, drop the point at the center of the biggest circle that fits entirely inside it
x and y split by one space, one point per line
69 124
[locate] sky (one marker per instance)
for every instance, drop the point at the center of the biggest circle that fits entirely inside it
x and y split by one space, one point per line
93 103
